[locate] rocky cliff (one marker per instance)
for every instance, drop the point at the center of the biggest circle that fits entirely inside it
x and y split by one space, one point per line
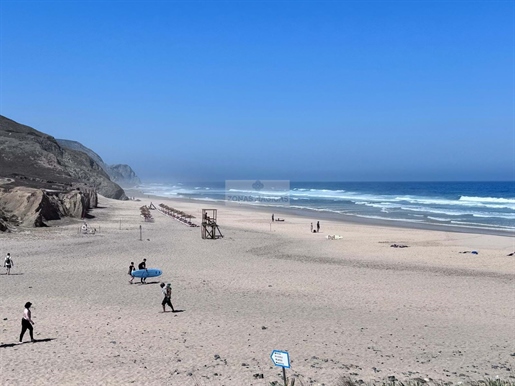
121 174
32 158
41 181
124 175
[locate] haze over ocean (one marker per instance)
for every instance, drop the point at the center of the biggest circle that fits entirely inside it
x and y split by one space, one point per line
300 91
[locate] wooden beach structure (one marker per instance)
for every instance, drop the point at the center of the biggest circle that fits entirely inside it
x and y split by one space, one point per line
177 214
209 228
145 213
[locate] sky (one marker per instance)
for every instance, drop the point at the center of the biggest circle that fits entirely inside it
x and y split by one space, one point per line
291 90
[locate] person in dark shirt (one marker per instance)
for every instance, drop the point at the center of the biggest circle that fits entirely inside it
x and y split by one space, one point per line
131 268
143 265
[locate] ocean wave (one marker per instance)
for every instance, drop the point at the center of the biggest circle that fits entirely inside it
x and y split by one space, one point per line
439 219
488 199
456 212
388 218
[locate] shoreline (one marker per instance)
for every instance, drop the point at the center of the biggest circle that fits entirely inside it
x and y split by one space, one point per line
342 218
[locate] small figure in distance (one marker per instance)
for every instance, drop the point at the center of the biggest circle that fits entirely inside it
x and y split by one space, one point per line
131 268
143 265
167 293
311 228
8 263
272 217
27 323
318 226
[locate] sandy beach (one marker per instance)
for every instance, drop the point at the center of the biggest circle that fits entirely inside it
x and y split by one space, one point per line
355 307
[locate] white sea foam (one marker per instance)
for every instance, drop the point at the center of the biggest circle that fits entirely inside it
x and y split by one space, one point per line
488 199
388 219
439 219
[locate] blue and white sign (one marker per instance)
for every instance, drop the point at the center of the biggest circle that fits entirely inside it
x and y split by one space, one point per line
281 358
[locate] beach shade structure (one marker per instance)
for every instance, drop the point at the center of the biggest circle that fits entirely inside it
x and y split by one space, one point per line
145 213
189 217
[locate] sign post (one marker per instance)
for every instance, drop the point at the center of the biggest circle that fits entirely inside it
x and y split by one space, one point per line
281 359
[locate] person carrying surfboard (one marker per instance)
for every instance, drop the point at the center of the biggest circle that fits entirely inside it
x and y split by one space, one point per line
143 265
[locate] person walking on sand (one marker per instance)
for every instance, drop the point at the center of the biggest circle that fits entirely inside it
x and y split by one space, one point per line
318 226
8 263
27 323
167 293
131 268
311 228
272 217
143 265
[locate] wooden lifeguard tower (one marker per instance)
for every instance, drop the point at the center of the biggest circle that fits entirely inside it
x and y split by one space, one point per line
209 228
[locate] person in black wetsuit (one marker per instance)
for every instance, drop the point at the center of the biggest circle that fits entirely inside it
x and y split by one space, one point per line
143 265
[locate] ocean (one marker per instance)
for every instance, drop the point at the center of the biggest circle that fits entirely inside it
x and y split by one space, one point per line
481 206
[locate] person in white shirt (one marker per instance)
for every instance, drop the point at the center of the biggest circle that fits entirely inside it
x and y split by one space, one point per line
167 293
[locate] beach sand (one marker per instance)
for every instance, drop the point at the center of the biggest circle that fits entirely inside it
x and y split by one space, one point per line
353 307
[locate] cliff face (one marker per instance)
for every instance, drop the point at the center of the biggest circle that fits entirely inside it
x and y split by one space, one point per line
121 174
41 180
34 159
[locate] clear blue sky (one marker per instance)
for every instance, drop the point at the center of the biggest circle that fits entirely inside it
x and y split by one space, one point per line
300 90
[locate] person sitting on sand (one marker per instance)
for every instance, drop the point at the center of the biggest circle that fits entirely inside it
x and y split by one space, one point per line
167 293
143 265
131 268
27 323
8 263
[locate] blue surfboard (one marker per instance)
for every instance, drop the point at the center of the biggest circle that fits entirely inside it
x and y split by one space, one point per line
150 272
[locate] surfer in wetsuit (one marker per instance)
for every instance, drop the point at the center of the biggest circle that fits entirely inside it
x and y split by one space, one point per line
143 265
